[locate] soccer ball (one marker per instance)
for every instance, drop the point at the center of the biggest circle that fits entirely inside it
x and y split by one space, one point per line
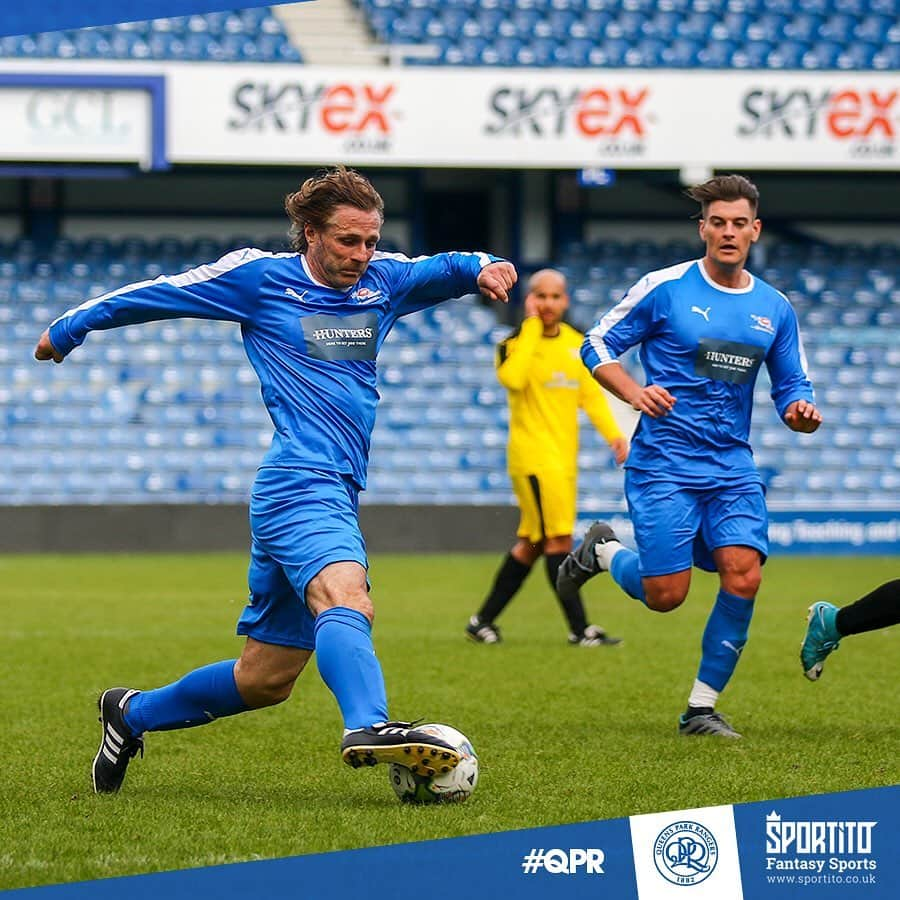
449 787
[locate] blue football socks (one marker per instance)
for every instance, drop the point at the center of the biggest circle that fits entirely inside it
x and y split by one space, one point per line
196 699
625 571
348 665
724 639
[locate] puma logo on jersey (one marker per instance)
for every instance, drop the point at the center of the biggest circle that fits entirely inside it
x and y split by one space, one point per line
702 312
735 650
292 293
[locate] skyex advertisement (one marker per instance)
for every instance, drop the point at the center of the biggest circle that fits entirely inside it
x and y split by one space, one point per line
295 114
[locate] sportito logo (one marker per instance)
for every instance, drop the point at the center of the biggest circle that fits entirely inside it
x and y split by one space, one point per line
685 853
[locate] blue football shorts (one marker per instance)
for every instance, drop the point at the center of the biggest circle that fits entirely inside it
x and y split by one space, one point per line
676 526
301 520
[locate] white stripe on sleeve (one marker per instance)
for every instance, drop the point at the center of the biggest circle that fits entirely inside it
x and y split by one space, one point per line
205 272
635 294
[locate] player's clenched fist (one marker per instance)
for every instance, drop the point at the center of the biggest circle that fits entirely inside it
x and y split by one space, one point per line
802 416
654 400
496 279
45 350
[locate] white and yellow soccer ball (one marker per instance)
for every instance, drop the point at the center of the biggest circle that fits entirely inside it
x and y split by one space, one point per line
449 787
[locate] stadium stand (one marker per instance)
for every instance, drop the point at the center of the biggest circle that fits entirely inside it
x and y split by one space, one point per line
741 34
732 34
170 412
243 35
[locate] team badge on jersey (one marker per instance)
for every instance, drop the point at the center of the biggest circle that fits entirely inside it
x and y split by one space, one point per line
762 323
365 295
561 380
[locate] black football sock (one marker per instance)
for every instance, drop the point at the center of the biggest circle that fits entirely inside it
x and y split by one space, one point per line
879 609
570 601
509 579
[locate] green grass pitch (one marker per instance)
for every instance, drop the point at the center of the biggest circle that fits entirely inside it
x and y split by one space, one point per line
564 734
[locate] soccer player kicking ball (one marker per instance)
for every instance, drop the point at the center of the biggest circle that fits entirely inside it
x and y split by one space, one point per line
312 323
827 624
695 497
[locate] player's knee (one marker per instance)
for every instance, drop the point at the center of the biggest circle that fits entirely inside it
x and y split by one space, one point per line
265 673
358 600
742 584
340 584
260 688
665 599
275 691
526 552
361 602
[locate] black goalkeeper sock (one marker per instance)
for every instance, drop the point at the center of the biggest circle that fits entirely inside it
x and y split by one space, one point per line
879 609
509 579
570 601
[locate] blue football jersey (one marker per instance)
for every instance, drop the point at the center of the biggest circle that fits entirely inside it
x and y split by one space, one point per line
704 343
312 346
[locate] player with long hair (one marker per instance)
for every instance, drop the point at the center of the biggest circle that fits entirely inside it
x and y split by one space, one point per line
312 322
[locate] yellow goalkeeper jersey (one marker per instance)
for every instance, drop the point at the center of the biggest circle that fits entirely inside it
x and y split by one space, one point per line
546 383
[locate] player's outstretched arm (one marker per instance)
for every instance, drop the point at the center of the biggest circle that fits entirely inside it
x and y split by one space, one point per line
496 279
45 350
802 416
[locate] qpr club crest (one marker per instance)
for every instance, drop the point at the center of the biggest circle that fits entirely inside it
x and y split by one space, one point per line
366 295
762 323
685 853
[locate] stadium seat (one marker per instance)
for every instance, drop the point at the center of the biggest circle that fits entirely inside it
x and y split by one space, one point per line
735 34
193 38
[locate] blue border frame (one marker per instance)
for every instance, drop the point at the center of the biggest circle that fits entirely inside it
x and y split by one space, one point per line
155 85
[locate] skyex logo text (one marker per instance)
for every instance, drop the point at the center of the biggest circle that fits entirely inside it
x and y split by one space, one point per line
818 846
564 862
685 853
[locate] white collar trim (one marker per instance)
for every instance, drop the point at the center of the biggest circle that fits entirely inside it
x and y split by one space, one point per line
720 287
316 281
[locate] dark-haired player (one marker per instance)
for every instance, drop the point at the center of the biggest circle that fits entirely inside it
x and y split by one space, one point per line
695 497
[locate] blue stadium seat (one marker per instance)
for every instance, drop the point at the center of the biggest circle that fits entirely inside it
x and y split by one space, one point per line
680 53
819 34
179 37
696 26
717 54
802 26
501 52
752 55
857 56
822 55
646 53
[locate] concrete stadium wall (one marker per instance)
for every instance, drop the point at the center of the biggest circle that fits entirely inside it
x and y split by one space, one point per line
145 528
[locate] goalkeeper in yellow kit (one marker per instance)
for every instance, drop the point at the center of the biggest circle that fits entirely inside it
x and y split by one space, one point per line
540 366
